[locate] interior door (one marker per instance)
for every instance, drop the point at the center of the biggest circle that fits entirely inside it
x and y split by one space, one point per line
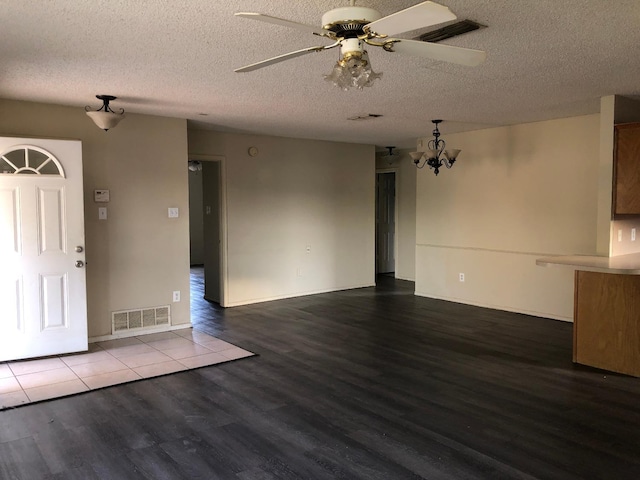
42 280
211 222
385 222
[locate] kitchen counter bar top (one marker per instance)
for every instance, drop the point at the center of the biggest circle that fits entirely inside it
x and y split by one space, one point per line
621 264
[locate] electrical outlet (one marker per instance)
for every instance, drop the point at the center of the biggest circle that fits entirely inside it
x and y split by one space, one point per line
461 277
173 212
176 296
633 234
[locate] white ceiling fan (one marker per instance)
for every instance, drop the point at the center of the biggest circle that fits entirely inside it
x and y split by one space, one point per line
353 28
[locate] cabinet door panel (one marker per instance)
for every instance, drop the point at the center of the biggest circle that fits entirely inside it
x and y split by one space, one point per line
626 184
607 322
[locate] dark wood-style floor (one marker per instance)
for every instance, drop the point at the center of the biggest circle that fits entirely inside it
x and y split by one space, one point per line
372 383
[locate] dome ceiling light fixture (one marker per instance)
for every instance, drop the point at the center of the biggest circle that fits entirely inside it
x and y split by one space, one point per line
195 165
390 156
105 118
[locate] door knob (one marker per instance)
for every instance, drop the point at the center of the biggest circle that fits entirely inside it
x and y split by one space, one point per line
79 249
79 264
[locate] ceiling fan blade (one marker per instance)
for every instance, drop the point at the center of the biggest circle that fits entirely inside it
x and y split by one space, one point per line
437 51
282 58
285 23
422 15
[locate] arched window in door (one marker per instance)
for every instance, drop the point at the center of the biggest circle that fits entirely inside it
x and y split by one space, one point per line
29 160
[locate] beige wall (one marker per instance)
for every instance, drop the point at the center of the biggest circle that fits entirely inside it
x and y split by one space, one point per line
137 257
604 231
405 172
516 193
293 194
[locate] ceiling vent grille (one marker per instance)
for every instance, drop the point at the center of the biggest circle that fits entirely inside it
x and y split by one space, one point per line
450 31
141 318
366 116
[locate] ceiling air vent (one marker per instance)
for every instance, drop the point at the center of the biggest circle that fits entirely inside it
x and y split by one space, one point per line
366 116
453 30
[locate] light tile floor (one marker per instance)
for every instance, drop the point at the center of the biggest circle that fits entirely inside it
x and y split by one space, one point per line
110 363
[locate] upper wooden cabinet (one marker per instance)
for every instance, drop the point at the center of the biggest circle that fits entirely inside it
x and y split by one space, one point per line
626 170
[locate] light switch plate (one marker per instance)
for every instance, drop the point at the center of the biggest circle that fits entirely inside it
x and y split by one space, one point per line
102 213
174 212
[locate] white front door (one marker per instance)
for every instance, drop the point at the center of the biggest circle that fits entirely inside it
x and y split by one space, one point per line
43 307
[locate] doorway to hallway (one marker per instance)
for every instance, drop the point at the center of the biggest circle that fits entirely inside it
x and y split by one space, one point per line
385 222
206 227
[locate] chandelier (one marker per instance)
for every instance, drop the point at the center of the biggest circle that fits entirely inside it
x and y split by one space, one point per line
436 156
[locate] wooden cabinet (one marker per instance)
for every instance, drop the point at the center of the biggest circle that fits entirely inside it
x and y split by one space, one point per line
626 170
606 328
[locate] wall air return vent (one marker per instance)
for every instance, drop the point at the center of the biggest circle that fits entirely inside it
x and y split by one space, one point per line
450 31
126 320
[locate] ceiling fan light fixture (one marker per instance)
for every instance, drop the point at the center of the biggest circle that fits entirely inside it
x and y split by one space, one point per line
353 70
105 118
351 27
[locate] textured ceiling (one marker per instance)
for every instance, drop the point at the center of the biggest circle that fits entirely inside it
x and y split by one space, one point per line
546 59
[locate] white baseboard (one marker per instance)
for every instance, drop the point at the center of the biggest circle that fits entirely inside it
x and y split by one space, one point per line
294 295
499 307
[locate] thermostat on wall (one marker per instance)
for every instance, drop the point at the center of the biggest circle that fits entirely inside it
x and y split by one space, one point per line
101 196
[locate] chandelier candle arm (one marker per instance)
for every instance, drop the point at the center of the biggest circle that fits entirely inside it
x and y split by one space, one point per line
451 155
